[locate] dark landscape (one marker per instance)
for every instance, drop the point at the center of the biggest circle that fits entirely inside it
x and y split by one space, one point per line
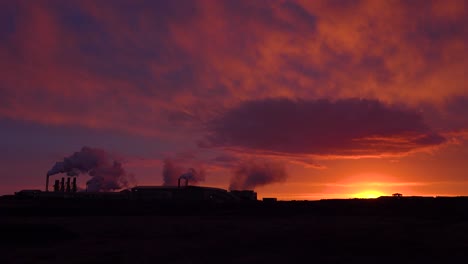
382 230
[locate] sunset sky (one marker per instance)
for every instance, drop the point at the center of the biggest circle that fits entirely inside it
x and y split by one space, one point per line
310 99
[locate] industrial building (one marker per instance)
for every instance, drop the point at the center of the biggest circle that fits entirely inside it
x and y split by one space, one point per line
67 189
245 195
182 194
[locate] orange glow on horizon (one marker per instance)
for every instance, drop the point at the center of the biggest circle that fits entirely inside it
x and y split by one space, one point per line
368 194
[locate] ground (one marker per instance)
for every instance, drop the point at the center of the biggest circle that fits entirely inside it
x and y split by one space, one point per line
278 235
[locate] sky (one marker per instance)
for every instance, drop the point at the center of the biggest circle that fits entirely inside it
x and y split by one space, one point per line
294 99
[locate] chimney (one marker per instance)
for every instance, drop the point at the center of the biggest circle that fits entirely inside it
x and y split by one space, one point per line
74 184
56 186
47 183
186 182
62 185
68 184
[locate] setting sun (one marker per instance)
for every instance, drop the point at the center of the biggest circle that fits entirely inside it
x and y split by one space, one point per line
368 194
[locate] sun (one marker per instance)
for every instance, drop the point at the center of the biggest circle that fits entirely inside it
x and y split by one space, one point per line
368 194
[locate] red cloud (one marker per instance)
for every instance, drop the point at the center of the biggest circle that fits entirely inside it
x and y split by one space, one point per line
350 127
159 68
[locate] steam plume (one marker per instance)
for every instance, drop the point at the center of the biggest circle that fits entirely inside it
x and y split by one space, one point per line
250 174
193 175
106 172
173 172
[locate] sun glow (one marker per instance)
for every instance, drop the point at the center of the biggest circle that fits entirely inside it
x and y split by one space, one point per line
368 194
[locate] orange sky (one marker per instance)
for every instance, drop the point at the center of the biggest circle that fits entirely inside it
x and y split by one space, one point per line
296 99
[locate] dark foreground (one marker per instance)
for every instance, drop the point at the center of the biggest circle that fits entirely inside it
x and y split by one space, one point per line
343 231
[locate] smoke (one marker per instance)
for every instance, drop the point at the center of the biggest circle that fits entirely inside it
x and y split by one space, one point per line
173 172
193 176
107 174
250 174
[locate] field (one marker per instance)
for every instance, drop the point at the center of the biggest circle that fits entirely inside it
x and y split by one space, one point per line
284 232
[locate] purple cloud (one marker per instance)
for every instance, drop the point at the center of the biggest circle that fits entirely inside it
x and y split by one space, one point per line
321 127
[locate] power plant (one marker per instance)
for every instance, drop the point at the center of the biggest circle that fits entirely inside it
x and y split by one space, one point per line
109 180
183 192
59 186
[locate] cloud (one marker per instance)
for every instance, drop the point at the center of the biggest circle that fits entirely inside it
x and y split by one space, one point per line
102 66
450 114
348 127
252 173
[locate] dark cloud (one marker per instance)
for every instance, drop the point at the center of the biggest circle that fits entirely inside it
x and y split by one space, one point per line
321 127
450 114
182 60
252 173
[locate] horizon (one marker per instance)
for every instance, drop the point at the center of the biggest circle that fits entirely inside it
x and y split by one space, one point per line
289 98
368 194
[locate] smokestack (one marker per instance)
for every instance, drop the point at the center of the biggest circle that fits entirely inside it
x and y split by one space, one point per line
181 178
172 173
186 181
47 183
74 184
62 185
68 184
56 185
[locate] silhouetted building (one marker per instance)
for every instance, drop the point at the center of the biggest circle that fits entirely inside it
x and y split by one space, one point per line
28 193
245 195
269 200
182 194
397 195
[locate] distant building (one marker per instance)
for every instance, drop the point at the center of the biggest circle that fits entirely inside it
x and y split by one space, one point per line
397 195
185 193
245 195
181 193
269 200
28 193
